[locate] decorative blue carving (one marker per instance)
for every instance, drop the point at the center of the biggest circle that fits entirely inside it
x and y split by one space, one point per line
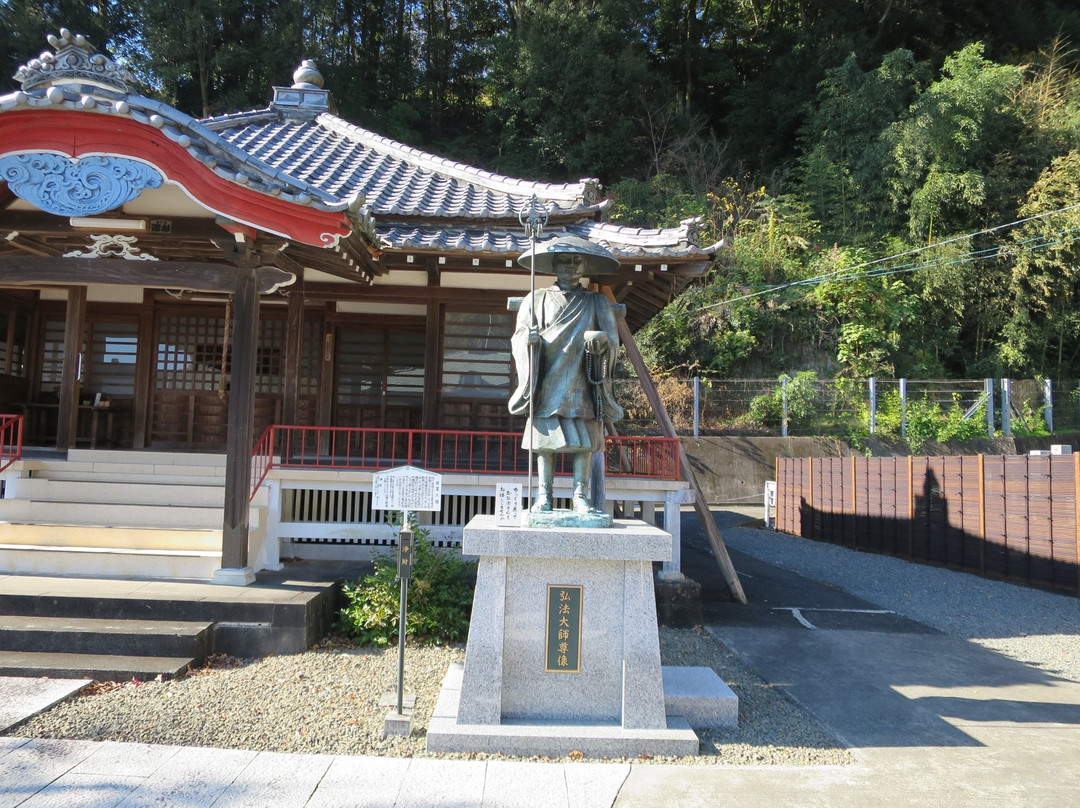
85 187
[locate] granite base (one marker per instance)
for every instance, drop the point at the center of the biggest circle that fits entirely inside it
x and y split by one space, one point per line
553 738
511 696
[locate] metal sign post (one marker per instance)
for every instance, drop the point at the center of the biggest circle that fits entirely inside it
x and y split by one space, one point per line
404 574
404 489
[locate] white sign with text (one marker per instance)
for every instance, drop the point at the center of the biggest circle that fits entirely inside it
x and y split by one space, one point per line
406 488
508 504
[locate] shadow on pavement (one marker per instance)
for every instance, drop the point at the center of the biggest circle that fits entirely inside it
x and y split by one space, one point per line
872 677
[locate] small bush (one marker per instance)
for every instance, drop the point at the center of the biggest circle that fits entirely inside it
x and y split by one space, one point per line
439 601
801 392
1030 422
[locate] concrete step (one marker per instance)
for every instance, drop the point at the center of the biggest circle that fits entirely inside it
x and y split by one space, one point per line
109 515
104 667
43 559
190 477
148 457
90 536
284 617
43 489
83 635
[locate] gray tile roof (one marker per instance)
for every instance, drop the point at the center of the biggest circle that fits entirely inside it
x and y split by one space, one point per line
624 242
407 191
402 197
394 180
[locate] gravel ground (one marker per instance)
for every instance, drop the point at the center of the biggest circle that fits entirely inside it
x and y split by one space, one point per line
1033 626
327 701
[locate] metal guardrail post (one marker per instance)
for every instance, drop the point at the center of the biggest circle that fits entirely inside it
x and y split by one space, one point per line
1048 404
697 406
872 386
784 403
903 408
1006 407
988 385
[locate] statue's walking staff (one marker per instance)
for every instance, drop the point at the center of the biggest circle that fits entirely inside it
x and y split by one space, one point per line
533 221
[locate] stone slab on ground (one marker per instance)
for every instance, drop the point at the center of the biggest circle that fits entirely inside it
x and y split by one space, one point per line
700 696
22 697
551 738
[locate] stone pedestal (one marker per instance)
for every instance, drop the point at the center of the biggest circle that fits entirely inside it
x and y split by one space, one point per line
514 694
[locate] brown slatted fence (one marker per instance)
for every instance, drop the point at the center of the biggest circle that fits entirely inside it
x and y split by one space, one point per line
1014 517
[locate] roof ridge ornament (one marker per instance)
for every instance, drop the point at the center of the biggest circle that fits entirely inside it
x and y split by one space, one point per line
307 76
306 99
75 61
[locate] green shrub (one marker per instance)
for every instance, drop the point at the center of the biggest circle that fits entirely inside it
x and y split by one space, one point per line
956 427
1030 423
767 410
439 601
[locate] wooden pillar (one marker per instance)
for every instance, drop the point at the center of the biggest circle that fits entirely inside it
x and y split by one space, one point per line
68 413
146 353
433 363
327 390
235 568
294 349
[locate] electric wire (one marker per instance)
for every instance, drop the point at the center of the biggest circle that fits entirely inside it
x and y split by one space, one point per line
853 272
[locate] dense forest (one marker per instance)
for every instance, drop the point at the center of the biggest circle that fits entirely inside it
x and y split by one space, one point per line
896 180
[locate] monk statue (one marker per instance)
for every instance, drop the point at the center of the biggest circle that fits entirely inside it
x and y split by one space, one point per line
564 346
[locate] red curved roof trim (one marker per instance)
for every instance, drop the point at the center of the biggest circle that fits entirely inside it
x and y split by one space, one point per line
76 134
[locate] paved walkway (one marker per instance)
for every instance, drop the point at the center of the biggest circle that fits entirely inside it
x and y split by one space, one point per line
933 721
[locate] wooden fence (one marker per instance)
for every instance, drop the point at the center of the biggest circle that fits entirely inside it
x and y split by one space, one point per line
1014 517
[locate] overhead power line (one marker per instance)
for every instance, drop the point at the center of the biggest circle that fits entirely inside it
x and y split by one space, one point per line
854 272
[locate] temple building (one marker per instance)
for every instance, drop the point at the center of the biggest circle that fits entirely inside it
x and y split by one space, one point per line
171 285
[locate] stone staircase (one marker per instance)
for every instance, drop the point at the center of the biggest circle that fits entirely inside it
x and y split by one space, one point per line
113 650
142 514
115 629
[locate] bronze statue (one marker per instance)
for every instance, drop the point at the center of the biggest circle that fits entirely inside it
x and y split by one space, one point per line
564 346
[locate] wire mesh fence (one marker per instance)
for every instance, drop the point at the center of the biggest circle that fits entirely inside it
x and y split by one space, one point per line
912 409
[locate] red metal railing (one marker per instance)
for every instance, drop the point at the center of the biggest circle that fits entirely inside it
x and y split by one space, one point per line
262 459
11 439
357 449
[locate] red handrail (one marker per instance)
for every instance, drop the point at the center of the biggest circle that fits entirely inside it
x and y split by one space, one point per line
11 439
262 460
444 451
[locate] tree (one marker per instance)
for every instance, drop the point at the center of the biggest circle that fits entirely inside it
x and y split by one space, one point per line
844 152
1043 334
952 168
569 79
25 24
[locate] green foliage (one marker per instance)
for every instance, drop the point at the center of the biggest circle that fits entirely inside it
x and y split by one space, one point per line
844 152
567 84
868 311
1042 334
925 420
439 602
949 152
1029 422
856 130
801 394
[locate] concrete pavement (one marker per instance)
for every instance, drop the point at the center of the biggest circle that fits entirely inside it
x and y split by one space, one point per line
932 720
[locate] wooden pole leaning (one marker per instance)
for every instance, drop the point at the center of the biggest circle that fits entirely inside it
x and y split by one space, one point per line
716 541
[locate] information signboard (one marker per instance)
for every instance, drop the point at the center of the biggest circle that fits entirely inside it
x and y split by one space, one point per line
406 488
